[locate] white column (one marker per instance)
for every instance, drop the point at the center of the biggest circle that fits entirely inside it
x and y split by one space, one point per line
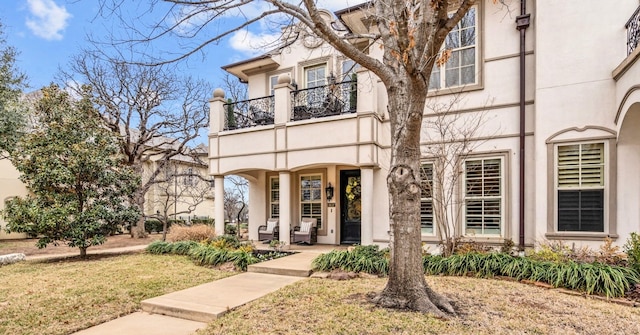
366 223
257 195
285 207
219 201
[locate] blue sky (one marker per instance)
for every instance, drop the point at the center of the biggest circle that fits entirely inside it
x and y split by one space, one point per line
48 32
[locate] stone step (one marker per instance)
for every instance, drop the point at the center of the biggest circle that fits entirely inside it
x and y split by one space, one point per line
296 265
209 301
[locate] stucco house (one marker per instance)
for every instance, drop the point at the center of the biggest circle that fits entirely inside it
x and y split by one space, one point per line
557 159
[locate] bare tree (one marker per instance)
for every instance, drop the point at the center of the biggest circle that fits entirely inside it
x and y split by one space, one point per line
241 189
233 88
180 191
156 114
450 138
232 204
410 34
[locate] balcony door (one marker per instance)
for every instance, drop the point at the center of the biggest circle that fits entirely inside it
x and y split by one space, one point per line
350 206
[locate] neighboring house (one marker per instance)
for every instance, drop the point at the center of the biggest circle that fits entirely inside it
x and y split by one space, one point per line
188 191
312 125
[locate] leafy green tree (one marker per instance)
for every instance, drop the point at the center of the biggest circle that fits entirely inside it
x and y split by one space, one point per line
12 81
70 164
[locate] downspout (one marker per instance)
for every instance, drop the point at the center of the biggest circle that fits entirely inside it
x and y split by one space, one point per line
522 23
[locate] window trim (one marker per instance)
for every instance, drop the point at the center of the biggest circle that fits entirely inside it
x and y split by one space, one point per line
504 195
322 201
270 199
313 67
327 61
610 202
433 219
479 83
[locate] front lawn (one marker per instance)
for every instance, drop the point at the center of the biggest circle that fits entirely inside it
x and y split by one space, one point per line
486 306
66 296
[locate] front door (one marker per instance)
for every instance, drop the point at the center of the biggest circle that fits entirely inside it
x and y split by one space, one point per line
350 206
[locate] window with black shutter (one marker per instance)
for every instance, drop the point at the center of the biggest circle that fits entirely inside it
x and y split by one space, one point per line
581 187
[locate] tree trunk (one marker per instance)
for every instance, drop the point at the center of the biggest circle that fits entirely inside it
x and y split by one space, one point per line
137 230
83 252
406 287
164 229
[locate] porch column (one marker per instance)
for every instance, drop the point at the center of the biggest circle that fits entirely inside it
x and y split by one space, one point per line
285 207
216 111
219 202
366 224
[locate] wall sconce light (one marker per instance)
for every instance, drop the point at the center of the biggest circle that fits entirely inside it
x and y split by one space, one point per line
329 191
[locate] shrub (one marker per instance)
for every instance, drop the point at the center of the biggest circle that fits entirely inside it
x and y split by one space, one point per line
183 247
230 229
470 247
208 255
207 221
160 247
591 278
369 259
226 242
632 248
153 225
196 233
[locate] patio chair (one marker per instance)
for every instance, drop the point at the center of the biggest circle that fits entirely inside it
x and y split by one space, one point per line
306 232
270 231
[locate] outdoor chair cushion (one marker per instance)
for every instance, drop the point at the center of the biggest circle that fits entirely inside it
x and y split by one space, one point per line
305 226
270 226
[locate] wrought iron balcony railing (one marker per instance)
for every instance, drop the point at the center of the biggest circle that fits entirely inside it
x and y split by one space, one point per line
327 100
249 113
633 31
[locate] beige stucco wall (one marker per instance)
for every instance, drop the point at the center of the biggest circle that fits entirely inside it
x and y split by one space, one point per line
575 88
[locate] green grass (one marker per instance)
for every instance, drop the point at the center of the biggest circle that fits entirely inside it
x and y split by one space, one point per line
63 297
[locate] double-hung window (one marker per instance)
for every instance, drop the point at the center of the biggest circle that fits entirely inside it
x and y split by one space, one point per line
484 196
426 199
274 197
189 178
581 187
311 198
461 67
315 76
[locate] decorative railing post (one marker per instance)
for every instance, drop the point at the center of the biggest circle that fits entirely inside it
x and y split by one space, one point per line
282 92
217 112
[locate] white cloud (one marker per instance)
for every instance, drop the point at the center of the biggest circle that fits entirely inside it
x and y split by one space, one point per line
252 44
47 19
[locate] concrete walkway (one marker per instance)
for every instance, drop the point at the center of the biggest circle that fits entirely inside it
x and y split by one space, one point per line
183 312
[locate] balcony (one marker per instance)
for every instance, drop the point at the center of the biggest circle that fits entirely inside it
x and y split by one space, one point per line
633 31
316 102
323 101
249 113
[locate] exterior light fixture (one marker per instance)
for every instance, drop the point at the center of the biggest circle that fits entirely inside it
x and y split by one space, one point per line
329 191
